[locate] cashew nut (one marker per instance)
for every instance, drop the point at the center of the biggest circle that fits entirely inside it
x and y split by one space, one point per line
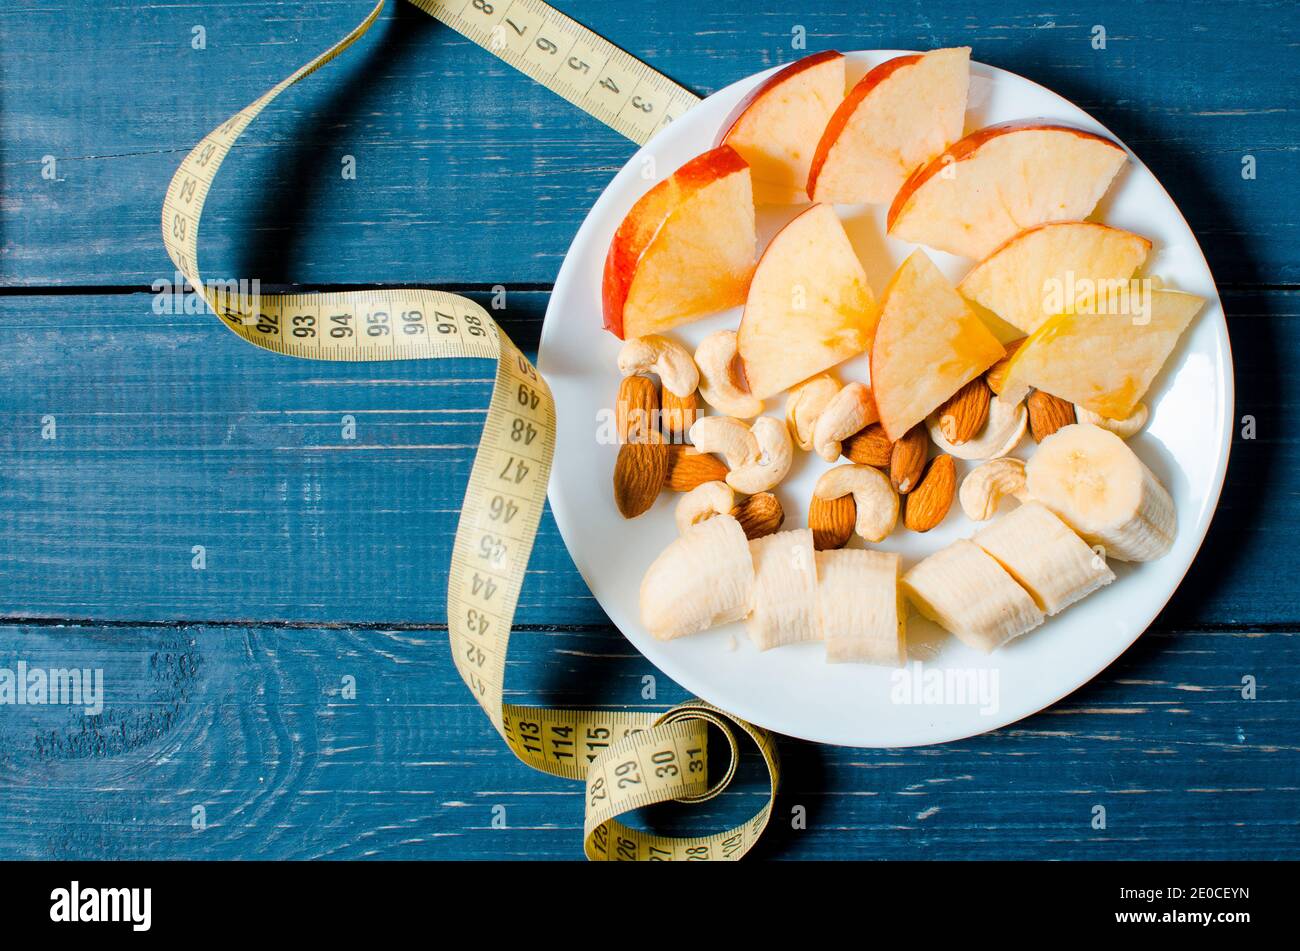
1123 428
849 411
720 384
1006 426
988 484
775 454
703 502
805 403
729 438
667 358
872 492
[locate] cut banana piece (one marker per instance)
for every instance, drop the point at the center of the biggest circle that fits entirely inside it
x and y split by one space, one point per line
785 590
863 617
963 589
1050 561
1100 488
704 578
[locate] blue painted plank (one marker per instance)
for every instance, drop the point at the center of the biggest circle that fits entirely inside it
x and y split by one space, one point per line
250 725
172 432
195 438
469 172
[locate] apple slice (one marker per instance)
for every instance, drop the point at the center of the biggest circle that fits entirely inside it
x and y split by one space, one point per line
1053 269
809 306
686 249
776 127
899 116
1105 362
928 346
1001 180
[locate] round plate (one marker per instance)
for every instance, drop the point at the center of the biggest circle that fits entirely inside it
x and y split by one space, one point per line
947 690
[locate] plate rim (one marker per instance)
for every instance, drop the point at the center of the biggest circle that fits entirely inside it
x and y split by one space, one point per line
1226 381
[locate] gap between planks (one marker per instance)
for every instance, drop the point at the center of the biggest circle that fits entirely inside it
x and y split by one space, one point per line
1267 627
103 290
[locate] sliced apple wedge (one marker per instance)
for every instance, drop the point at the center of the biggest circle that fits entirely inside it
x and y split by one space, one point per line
776 127
809 306
1105 362
686 249
1053 269
1001 180
928 346
896 118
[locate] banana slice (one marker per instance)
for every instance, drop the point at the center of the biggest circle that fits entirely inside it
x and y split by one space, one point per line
1041 552
704 578
863 616
1100 488
963 589
785 590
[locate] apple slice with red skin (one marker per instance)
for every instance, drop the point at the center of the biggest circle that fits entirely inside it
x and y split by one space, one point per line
928 346
685 249
896 118
1053 269
809 305
776 127
996 182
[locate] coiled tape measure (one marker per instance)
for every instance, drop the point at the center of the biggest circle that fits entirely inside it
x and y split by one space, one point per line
628 759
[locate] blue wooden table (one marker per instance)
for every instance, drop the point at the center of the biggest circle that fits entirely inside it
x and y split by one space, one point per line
295 697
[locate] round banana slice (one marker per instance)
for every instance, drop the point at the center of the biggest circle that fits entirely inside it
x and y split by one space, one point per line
1101 489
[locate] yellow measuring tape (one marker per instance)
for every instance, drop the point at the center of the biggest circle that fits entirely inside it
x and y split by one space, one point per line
629 760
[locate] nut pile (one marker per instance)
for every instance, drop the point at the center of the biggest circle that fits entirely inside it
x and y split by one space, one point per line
946 402
668 442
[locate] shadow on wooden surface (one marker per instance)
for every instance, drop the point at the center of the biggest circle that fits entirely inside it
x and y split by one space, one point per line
230 729
462 143
1260 474
304 170
264 742
172 432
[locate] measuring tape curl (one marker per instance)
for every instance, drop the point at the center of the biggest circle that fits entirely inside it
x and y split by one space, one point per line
628 759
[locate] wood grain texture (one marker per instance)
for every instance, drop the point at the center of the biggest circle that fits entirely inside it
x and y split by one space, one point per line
326 557
458 156
171 432
250 723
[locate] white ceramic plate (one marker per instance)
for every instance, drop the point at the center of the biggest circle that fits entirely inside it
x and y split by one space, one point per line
792 690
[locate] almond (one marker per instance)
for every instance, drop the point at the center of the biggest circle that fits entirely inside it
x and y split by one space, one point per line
677 413
996 375
929 502
832 521
962 415
759 515
1047 414
639 474
907 460
870 447
688 467
638 408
